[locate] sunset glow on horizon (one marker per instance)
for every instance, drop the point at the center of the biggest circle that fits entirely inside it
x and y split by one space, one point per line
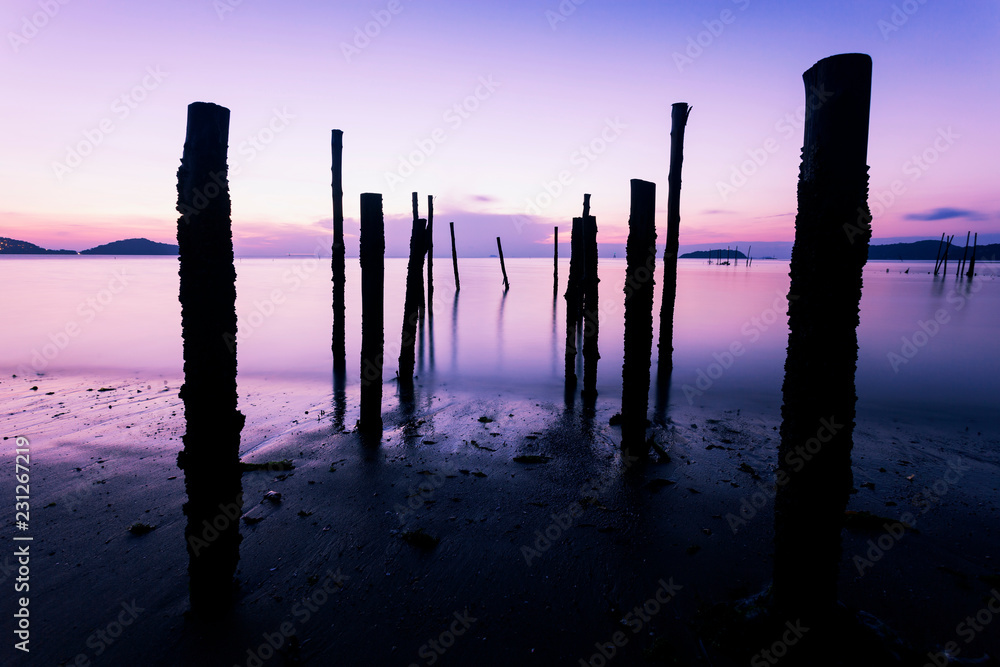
499 111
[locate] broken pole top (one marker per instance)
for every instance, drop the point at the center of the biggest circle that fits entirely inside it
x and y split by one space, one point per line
845 98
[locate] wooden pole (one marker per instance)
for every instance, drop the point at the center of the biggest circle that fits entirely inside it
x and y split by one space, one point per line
555 260
506 284
947 249
965 252
412 300
937 258
430 253
339 347
972 260
454 257
591 311
749 248
679 113
372 255
823 313
211 455
574 299
640 253
419 278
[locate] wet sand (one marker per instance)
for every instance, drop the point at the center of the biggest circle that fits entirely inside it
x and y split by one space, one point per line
439 547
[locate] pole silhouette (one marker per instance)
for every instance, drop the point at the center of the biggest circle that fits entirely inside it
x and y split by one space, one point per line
665 346
372 256
211 454
823 313
337 258
640 254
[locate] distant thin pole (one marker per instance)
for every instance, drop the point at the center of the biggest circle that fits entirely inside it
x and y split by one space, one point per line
506 284
337 259
972 262
947 249
965 252
454 257
937 258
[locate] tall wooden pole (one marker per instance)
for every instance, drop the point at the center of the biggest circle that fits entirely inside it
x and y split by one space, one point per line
640 254
211 455
430 253
823 314
574 299
372 256
412 300
454 257
591 310
679 113
337 259
503 267
555 259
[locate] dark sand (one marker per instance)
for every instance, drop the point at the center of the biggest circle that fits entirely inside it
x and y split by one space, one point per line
102 461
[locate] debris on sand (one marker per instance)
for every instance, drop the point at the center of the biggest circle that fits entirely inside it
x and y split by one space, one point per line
532 458
140 528
420 539
270 466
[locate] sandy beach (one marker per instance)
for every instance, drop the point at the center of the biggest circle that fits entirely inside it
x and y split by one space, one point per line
443 545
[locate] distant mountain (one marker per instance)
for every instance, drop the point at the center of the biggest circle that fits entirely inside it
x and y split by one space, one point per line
711 254
929 250
15 247
132 247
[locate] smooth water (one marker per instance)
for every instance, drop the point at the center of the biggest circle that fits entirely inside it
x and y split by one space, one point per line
98 314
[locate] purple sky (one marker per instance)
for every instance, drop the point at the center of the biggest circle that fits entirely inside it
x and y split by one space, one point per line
485 106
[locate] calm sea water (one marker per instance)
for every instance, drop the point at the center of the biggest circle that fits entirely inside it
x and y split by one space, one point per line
97 314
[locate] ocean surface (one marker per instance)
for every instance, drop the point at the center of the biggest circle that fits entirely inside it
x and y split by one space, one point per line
928 346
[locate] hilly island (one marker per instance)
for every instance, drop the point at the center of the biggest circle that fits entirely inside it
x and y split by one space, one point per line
123 247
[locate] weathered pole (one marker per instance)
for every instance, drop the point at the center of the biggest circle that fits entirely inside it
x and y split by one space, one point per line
555 259
430 253
591 311
640 254
503 268
937 258
679 113
972 260
372 256
337 255
830 251
747 263
965 252
420 277
412 300
947 250
454 257
574 298
211 455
